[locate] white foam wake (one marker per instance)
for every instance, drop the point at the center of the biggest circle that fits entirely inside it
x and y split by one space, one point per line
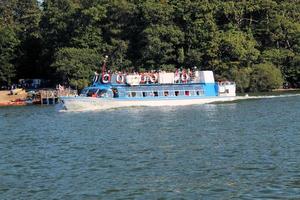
269 96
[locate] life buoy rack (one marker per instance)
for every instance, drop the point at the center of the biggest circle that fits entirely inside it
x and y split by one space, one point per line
185 77
106 78
153 78
143 79
120 78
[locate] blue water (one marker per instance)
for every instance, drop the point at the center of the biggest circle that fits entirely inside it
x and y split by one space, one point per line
243 150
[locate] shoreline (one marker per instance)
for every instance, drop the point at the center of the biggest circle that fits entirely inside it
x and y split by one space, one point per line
286 90
6 99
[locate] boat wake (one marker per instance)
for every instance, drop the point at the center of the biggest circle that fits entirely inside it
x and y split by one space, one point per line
246 97
271 96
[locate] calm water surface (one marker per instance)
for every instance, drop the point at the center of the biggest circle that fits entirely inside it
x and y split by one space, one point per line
244 150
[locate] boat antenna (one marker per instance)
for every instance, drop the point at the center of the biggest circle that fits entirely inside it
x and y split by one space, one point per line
104 65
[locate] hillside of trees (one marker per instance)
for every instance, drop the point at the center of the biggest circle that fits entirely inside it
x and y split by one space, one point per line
253 42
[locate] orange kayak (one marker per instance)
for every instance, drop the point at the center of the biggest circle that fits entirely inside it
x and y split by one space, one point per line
13 103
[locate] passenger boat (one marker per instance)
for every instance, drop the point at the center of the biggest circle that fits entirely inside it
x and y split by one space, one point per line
150 89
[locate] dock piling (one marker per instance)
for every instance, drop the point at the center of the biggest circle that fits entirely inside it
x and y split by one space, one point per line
50 97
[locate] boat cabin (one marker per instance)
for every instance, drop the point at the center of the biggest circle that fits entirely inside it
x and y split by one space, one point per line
161 85
151 91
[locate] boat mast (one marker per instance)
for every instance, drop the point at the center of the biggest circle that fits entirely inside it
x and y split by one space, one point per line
104 66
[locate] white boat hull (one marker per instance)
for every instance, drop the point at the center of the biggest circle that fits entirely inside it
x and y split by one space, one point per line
89 103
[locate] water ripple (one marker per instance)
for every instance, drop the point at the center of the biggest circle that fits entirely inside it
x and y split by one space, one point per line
242 150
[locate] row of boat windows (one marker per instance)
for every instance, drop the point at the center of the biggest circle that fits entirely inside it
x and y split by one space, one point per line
164 93
102 93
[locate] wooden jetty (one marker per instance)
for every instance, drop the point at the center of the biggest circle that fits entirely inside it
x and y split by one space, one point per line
51 97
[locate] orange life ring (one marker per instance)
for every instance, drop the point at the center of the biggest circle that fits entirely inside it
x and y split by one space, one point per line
143 79
185 77
120 78
106 78
153 78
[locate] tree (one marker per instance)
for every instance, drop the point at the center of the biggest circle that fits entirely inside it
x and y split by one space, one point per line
161 39
56 30
265 77
8 45
87 24
160 46
231 38
76 66
118 33
242 78
27 19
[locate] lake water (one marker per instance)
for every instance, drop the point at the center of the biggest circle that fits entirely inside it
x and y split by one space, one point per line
243 150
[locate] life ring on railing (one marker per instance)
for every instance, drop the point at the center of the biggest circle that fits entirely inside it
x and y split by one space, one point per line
106 78
153 78
143 79
177 78
185 77
120 78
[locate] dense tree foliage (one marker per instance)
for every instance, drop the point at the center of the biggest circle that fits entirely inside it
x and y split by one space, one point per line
8 43
254 42
265 76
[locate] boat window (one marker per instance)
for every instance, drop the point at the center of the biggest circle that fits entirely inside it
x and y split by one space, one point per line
199 92
187 93
166 93
133 94
150 94
176 93
155 93
181 93
144 94
171 93
138 94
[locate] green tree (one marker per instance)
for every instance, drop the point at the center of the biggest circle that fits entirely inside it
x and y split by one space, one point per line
118 32
231 38
76 66
27 19
242 78
161 39
87 27
265 77
160 45
56 30
8 46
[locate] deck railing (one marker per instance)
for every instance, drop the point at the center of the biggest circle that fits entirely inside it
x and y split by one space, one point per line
51 96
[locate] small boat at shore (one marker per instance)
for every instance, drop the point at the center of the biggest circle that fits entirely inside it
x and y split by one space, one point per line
17 102
150 89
